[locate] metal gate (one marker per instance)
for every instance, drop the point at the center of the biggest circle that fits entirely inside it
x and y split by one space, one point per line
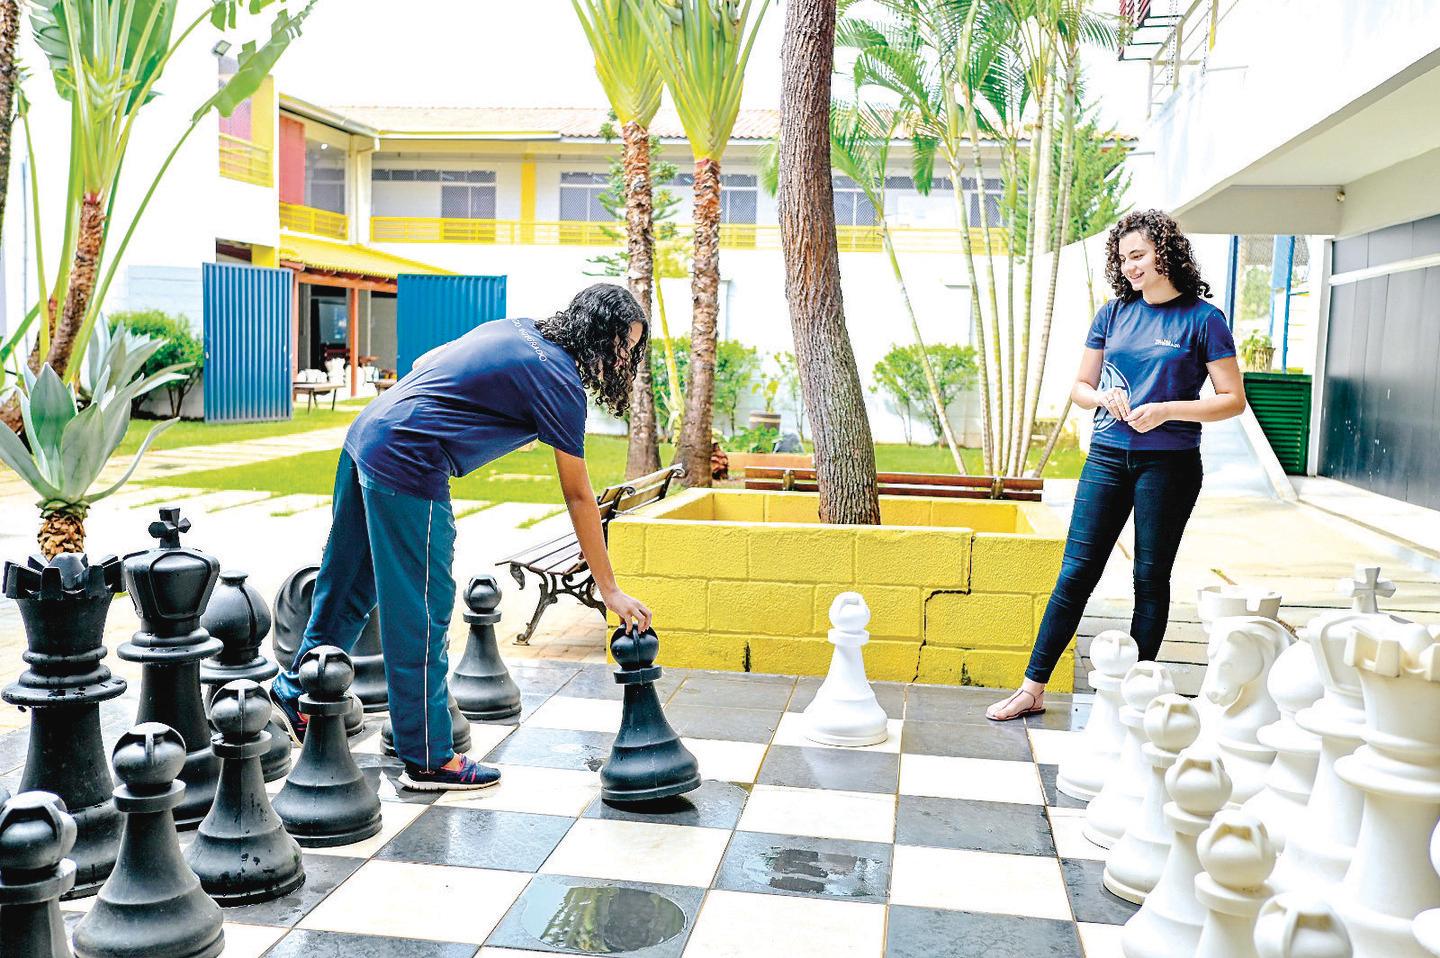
247 342
431 310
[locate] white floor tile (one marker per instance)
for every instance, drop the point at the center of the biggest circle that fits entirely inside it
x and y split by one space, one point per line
1100 941
528 788
1026 885
587 715
394 818
513 953
250 941
792 732
1050 745
639 851
975 779
485 736
1070 841
727 761
740 925
820 813
432 902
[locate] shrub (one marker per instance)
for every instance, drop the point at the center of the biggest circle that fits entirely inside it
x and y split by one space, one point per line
901 376
735 367
181 346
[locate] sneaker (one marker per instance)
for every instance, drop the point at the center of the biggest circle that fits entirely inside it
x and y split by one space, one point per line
470 775
288 712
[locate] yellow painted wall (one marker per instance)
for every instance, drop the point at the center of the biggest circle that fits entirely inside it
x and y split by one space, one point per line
743 581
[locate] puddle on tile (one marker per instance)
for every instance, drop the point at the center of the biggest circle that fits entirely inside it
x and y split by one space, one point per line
600 921
809 872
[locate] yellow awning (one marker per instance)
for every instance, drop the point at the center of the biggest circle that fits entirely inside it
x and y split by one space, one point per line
349 257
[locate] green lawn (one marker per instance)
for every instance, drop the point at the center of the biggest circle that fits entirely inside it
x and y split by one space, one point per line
530 476
192 433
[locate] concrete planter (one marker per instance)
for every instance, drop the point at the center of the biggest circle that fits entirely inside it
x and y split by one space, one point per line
743 581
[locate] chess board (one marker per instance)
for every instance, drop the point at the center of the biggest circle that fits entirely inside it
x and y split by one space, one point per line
949 839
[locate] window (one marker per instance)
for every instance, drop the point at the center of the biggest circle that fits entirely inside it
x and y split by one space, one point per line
580 198
467 194
852 206
324 177
994 192
739 195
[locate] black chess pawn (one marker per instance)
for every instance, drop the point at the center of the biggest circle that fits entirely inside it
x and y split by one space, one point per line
169 587
63 604
238 617
242 853
481 684
648 760
459 730
35 835
152 904
326 800
369 686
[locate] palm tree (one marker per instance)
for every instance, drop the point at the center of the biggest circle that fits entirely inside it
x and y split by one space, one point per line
701 48
626 68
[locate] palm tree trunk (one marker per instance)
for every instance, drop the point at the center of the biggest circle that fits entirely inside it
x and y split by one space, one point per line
9 33
974 128
1039 200
935 398
1013 238
643 454
693 451
987 417
88 241
1065 412
61 532
844 448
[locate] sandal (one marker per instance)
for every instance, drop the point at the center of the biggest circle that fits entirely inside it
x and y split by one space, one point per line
1037 706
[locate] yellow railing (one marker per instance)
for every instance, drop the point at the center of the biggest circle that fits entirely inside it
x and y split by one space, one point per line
244 161
307 219
851 239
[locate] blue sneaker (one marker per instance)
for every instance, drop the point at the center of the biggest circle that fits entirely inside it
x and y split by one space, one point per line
468 776
288 711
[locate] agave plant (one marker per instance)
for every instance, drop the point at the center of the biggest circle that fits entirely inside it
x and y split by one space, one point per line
69 446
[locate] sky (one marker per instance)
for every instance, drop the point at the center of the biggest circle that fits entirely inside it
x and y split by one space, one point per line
533 53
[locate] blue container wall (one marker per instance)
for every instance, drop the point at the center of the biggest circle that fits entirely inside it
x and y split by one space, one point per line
246 332
433 310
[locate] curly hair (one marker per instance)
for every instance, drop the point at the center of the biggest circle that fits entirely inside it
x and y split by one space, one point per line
1173 256
595 330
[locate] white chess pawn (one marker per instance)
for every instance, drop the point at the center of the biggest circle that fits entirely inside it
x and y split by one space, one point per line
1300 925
1237 855
1112 811
1223 602
1168 924
1138 858
1086 767
844 711
1390 881
1294 685
1246 648
1427 923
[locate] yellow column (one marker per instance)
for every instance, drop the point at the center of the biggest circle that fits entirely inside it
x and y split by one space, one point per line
527 201
264 255
264 116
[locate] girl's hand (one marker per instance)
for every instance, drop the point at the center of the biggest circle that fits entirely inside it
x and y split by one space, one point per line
1146 417
631 612
1116 401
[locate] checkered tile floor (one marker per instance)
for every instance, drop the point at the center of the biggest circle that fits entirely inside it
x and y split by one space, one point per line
948 839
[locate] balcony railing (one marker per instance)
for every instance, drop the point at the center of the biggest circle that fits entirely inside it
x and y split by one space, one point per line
308 219
1177 45
244 161
850 239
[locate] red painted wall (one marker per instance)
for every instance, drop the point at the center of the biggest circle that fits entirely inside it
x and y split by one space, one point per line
292 161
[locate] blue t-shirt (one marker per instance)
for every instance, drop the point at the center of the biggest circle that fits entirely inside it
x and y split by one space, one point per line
467 403
1156 354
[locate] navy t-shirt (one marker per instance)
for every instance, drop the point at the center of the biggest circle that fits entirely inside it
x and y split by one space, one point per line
467 403
1156 354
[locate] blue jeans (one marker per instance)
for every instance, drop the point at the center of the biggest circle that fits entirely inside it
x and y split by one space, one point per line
398 549
1160 487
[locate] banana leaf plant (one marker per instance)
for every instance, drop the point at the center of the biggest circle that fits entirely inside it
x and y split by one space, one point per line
70 443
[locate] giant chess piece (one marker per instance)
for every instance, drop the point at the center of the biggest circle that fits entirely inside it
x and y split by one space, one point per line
1319 843
242 853
35 835
459 730
648 760
1300 925
1169 922
1137 860
1294 685
844 710
1390 880
1089 763
1427 923
481 685
1237 855
1365 589
1246 648
1214 602
369 661
1112 811
169 587
63 605
325 800
238 617
293 604
152 904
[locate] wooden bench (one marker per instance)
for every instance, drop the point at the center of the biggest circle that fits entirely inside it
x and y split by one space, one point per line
311 390
774 478
558 564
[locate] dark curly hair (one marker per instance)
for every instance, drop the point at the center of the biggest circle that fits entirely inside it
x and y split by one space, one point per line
595 330
1173 256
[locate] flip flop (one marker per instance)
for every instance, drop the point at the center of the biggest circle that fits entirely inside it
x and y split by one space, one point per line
1021 714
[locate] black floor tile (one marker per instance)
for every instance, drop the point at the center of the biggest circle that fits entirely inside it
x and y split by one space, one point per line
553 748
709 691
573 916
323 874
1058 715
734 725
1006 742
713 805
805 867
952 704
978 826
334 944
1053 796
478 838
383 773
927 932
1089 899
836 768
